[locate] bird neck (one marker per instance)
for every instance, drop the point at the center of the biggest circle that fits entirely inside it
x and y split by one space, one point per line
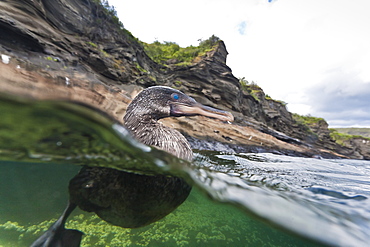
151 132
140 124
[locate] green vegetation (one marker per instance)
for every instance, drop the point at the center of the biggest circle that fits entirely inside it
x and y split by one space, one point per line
256 91
96 48
51 59
342 138
177 83
171 53
107 14
251 87
140 68
306 120
197 222
92 44
365 132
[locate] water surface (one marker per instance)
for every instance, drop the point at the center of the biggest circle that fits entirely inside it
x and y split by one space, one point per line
238 199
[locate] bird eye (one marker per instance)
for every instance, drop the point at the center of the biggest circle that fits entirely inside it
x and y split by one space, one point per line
175 96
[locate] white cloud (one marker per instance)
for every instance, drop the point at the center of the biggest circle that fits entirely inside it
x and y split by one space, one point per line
286 46
342 97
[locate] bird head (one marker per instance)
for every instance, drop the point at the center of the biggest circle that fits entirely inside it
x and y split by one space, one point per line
160 102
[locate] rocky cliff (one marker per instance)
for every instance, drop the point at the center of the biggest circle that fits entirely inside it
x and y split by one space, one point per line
77 50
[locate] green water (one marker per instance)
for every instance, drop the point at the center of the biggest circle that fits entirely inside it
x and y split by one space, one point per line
256 198
33 195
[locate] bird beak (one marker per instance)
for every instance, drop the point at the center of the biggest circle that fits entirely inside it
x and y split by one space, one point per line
180 109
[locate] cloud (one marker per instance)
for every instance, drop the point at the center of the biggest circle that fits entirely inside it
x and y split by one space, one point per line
342 98
288 47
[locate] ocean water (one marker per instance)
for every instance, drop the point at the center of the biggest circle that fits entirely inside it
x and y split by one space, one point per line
237 199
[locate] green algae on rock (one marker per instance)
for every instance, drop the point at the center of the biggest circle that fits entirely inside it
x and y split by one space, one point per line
198 222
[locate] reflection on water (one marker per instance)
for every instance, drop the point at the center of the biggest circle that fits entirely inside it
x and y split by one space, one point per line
42 142
64 131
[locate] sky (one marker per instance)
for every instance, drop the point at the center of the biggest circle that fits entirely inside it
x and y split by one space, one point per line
312 54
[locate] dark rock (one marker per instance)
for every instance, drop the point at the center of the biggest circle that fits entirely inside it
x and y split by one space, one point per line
86 39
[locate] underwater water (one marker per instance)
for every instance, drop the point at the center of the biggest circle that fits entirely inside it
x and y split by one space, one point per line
237 199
